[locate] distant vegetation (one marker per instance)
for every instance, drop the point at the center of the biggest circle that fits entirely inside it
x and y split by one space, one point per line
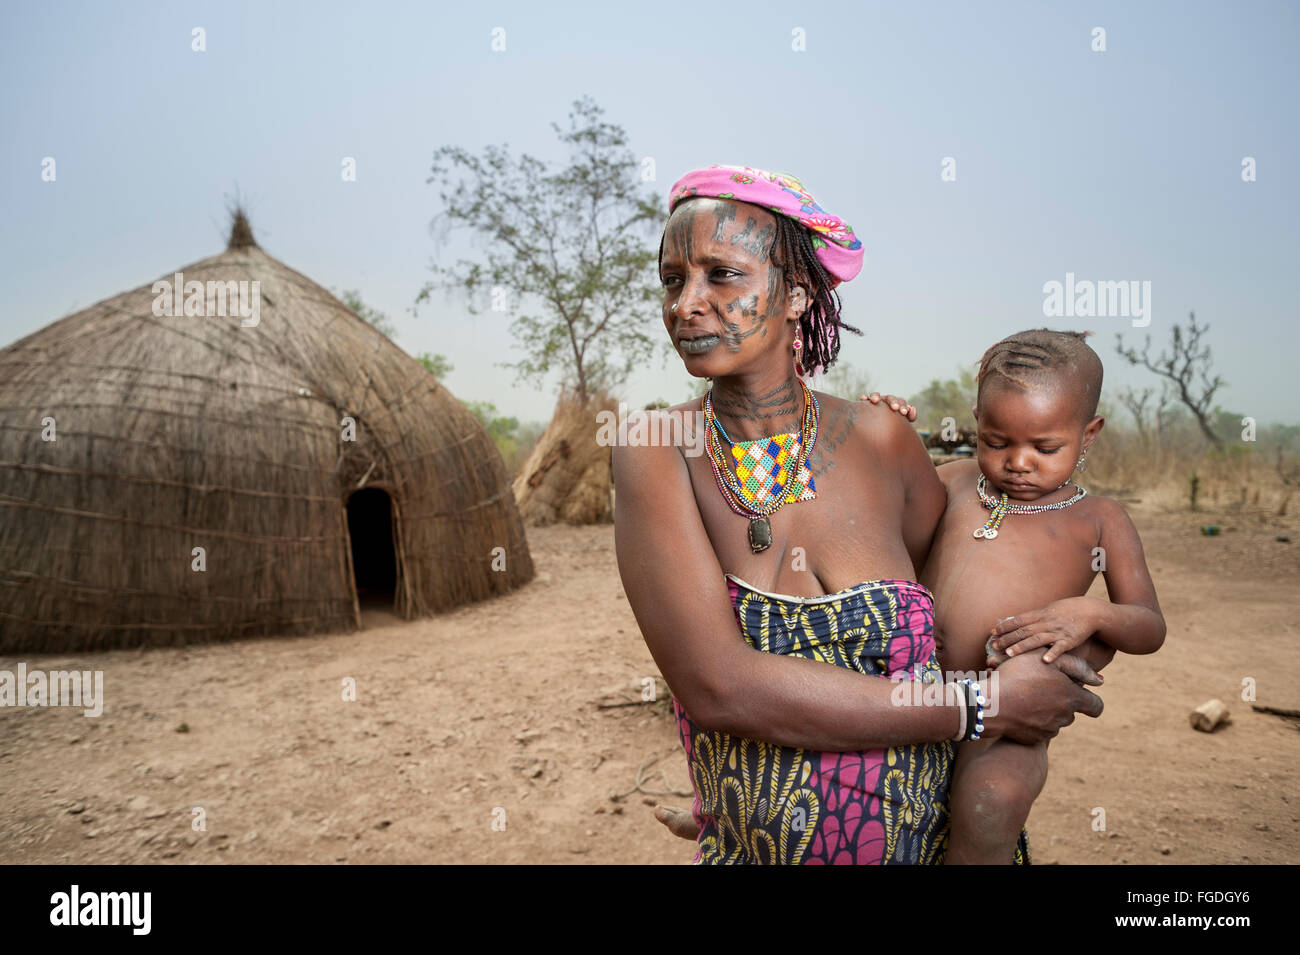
1160 440
568 250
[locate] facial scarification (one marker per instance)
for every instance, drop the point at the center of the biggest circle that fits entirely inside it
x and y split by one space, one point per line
759 245
773 299
681 237
747 307
745 316
725 212
742 308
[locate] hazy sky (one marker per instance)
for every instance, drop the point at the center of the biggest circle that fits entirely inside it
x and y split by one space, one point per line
1116 165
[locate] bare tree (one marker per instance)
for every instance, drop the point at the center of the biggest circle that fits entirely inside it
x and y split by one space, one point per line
1187 366
1136 402
1149 416
572 249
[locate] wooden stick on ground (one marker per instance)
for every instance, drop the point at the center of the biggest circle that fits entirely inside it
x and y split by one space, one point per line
1275 710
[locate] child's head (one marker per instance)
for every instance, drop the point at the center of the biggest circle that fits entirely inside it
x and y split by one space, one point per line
1036 410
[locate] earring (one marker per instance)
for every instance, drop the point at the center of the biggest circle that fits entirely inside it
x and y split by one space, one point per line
798 366
1081 465
674 308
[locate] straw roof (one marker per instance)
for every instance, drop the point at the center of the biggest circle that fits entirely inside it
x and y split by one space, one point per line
176 433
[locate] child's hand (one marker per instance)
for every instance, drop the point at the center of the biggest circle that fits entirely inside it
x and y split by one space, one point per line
1073 666
1064 624
895 404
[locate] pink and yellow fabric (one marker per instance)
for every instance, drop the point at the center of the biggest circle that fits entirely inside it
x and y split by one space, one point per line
838 249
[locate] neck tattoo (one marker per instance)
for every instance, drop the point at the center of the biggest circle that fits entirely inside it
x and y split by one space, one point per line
770 471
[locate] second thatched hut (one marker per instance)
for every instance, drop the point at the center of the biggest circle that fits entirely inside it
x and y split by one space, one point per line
567 479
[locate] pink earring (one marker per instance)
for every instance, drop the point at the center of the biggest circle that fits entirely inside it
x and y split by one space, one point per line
798 366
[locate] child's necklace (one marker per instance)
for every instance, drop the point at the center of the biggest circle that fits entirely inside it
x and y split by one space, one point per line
1001 508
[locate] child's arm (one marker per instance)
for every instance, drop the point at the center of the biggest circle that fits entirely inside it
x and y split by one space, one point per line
1130 621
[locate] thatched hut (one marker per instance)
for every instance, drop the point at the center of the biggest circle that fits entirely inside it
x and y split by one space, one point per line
168 478
567 477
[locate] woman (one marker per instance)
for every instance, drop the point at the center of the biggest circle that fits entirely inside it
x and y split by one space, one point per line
809 540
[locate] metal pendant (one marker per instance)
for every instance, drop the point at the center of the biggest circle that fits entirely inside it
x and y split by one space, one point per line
760 534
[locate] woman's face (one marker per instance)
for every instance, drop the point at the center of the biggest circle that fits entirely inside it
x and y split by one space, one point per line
732 311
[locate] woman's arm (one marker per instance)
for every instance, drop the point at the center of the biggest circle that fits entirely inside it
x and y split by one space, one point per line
677 590
924 496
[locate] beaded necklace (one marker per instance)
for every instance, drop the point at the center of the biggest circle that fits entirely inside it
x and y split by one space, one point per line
772 470
1001 508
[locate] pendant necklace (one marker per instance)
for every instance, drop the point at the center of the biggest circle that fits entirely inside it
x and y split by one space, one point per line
769 471
1001 508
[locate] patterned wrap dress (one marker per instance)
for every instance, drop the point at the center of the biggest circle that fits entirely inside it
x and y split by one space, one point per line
759 803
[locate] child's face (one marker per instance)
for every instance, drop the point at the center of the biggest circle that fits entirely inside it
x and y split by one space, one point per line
1030 439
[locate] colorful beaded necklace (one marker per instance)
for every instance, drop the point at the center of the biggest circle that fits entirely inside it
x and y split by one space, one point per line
770 472
1001 508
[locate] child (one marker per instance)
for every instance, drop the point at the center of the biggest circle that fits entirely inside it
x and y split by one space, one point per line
1018 535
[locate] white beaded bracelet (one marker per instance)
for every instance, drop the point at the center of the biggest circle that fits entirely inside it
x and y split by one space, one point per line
976 730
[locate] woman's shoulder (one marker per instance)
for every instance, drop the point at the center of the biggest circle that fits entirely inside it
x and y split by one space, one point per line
880 428
864 433
652 439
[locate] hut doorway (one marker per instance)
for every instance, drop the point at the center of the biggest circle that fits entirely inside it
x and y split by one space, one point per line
374 564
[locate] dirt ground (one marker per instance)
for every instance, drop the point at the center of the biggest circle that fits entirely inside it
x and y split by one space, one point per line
492 714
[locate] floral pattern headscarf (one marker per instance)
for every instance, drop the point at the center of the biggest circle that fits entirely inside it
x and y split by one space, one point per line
838 249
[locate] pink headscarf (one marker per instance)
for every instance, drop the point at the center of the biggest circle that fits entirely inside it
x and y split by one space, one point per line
838 249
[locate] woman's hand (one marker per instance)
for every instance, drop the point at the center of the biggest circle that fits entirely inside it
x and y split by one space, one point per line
895 404
1062 624
1034 700
1082 667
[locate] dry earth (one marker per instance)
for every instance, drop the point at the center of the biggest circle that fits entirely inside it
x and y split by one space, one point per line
494 708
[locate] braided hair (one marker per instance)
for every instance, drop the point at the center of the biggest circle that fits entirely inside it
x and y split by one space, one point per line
793 253
820 324
1041 357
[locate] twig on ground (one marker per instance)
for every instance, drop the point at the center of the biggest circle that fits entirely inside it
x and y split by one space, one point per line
642 779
